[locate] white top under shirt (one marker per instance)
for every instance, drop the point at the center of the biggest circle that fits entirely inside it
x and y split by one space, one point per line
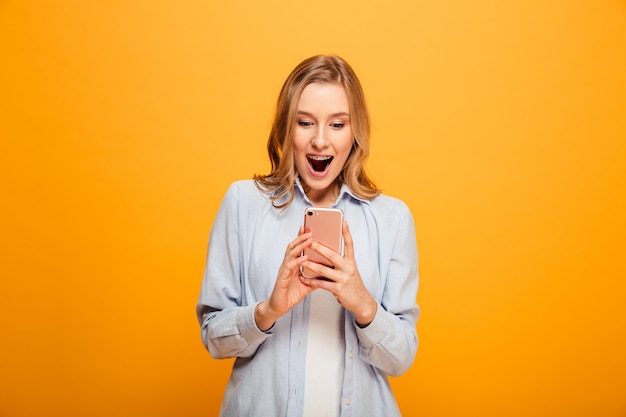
325 350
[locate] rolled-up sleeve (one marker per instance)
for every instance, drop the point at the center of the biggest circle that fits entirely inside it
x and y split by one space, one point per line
232 332
390 341
228 328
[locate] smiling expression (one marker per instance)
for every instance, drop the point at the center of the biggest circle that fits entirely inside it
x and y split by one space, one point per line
322 139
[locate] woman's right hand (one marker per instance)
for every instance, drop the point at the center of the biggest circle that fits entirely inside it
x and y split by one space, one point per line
288 290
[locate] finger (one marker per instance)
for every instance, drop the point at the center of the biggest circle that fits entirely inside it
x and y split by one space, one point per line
328 274
348 243
333 257
294 263
301 238
315 283
298 244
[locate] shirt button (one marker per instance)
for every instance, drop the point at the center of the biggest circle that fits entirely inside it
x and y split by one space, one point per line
350 355
348 402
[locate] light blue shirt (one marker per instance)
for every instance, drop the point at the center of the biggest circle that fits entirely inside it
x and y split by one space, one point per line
246 248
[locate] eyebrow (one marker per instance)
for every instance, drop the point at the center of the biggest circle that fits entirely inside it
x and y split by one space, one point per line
338 114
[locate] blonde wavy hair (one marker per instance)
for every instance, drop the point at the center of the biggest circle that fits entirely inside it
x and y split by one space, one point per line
317 69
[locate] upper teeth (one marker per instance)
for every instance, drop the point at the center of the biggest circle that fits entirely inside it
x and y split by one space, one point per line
320 158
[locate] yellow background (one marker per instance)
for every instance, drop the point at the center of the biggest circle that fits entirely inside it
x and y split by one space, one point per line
501 124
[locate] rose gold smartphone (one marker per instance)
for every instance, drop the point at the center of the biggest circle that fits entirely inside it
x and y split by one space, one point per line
325 223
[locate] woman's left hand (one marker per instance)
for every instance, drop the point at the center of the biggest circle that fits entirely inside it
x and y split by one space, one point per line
344 280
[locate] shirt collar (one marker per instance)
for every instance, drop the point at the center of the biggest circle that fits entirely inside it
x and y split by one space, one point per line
344 191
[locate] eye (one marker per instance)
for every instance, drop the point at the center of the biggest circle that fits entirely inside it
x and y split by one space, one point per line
305 123
337 125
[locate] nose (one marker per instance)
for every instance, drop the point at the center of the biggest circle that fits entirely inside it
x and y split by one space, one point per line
320 139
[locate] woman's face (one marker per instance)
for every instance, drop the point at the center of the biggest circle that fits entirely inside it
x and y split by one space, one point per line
322 139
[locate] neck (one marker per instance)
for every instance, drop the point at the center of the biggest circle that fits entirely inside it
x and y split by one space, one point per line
323 198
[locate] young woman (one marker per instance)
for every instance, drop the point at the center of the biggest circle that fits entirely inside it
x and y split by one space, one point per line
306 346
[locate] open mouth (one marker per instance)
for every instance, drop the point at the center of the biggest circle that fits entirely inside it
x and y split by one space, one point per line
319 163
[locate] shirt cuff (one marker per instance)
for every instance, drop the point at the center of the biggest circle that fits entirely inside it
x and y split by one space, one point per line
248 325
374 332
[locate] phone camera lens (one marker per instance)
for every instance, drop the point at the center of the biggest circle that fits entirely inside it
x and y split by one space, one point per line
310 213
